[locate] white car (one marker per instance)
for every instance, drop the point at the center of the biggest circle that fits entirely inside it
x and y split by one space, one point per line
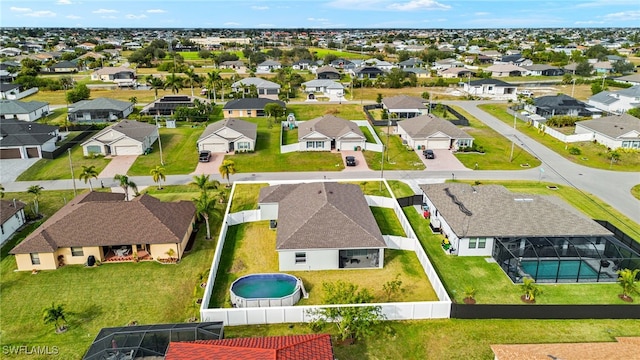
528 93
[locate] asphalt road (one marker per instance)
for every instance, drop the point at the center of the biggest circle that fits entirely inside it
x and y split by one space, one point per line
610 186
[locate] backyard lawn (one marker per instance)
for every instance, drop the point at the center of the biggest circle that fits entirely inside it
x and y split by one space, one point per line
367 134
400 188
311 111
372 187
246 197
396 157
178 149
497 149
58 168
592 155
250 248
289 136
267 157
387 221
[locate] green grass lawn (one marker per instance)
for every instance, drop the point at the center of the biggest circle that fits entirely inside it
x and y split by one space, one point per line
453 338
250 248
443 113
267 157
246 197
178 151
399 157
308 112
59 168
367 134
387 221
289 136
635 191
592 155
497 148
373 187
400 189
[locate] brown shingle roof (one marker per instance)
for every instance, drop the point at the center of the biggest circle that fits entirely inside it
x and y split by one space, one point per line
330 126
496 211
624 348
323 215
424 126
7 210
103 219
246 128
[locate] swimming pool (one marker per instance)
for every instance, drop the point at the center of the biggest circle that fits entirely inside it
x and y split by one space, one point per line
568 269
266 290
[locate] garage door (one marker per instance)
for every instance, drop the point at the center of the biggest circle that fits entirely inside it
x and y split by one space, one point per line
438 143
126 150
10 154
33 153
350 145
215 148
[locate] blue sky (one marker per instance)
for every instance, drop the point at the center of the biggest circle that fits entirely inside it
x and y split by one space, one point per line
320 13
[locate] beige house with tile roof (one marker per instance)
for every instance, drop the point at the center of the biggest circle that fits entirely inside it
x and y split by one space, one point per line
107 227
322 226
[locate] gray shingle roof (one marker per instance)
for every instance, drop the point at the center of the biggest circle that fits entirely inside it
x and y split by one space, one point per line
132 129
327 68
613 126
423 126
251 104
558 101
100 104
404 102
604 97
18 133
144 220
246 128
495 211
258 82
328 83
8 107
323 215
495 82
329 126
7 210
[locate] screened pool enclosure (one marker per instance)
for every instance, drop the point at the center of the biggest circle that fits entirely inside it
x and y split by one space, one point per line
564 259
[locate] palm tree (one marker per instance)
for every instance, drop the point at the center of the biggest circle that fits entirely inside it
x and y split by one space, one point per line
125 184
192 78
133 100
205 206
55 315
87 173
204 183
158 175
227 169
627 280
175 83
213 79
36 190
530 289
155 84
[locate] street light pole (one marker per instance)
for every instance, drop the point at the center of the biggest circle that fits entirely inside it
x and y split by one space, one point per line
73 178
573 87
513 142
159 142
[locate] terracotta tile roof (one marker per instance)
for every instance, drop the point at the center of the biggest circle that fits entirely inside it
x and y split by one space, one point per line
294 347
624 348
105 219
322 216
7 210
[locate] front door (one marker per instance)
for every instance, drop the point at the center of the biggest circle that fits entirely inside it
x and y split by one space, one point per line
231 146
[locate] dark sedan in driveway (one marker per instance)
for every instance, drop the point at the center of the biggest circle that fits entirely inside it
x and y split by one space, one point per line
350 160
428 154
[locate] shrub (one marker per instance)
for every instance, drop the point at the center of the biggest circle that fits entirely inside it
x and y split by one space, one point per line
575 151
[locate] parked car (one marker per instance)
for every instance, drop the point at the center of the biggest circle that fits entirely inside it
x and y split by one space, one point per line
528 93
350 160
428 154
205 156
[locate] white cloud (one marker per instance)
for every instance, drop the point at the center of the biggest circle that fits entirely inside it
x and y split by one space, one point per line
135 17
105 11
156 11
318 19
41 13
599 3
74 17
623 16
63 2
588 22
419 5
231 23
260 7
110 17
17 9
481 13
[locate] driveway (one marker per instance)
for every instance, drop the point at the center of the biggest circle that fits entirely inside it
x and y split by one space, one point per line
10 169
361 163
210 167
444 161
118 165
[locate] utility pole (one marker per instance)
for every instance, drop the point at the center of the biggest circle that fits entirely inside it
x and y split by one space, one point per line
73 178
159 141
513 141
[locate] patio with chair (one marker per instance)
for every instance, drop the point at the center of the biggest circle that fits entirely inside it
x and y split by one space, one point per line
125 253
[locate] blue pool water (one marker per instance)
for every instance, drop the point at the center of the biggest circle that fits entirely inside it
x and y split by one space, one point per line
548 269
262 286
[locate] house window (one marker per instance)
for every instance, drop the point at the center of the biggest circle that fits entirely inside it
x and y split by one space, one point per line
482 243
248 112
464 143
230 112
315 144
301 258
473 242
35 259
77 251
477 243
243 145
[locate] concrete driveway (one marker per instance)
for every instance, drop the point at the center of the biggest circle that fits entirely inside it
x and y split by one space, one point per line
361 163
118 165
444 161
210 167
10 169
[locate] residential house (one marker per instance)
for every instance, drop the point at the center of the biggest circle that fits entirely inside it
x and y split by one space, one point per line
167 105
490 87
8 71
322 226
14 91
411 63
10 51
309 347
446 64
420 73
456 72
304 64
99 110
268 66
343 64
87 46
503 70
602 67
366 72
544 70
229 135
404 107
237 65
380 64
327 73
26 140
633 79
330 132
266 89
104 226
570 68
123 76
431 132
494 54
617 101
560 105
23 110
513 59
327 88
126 137
616 131
64 67
12 218
248 107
